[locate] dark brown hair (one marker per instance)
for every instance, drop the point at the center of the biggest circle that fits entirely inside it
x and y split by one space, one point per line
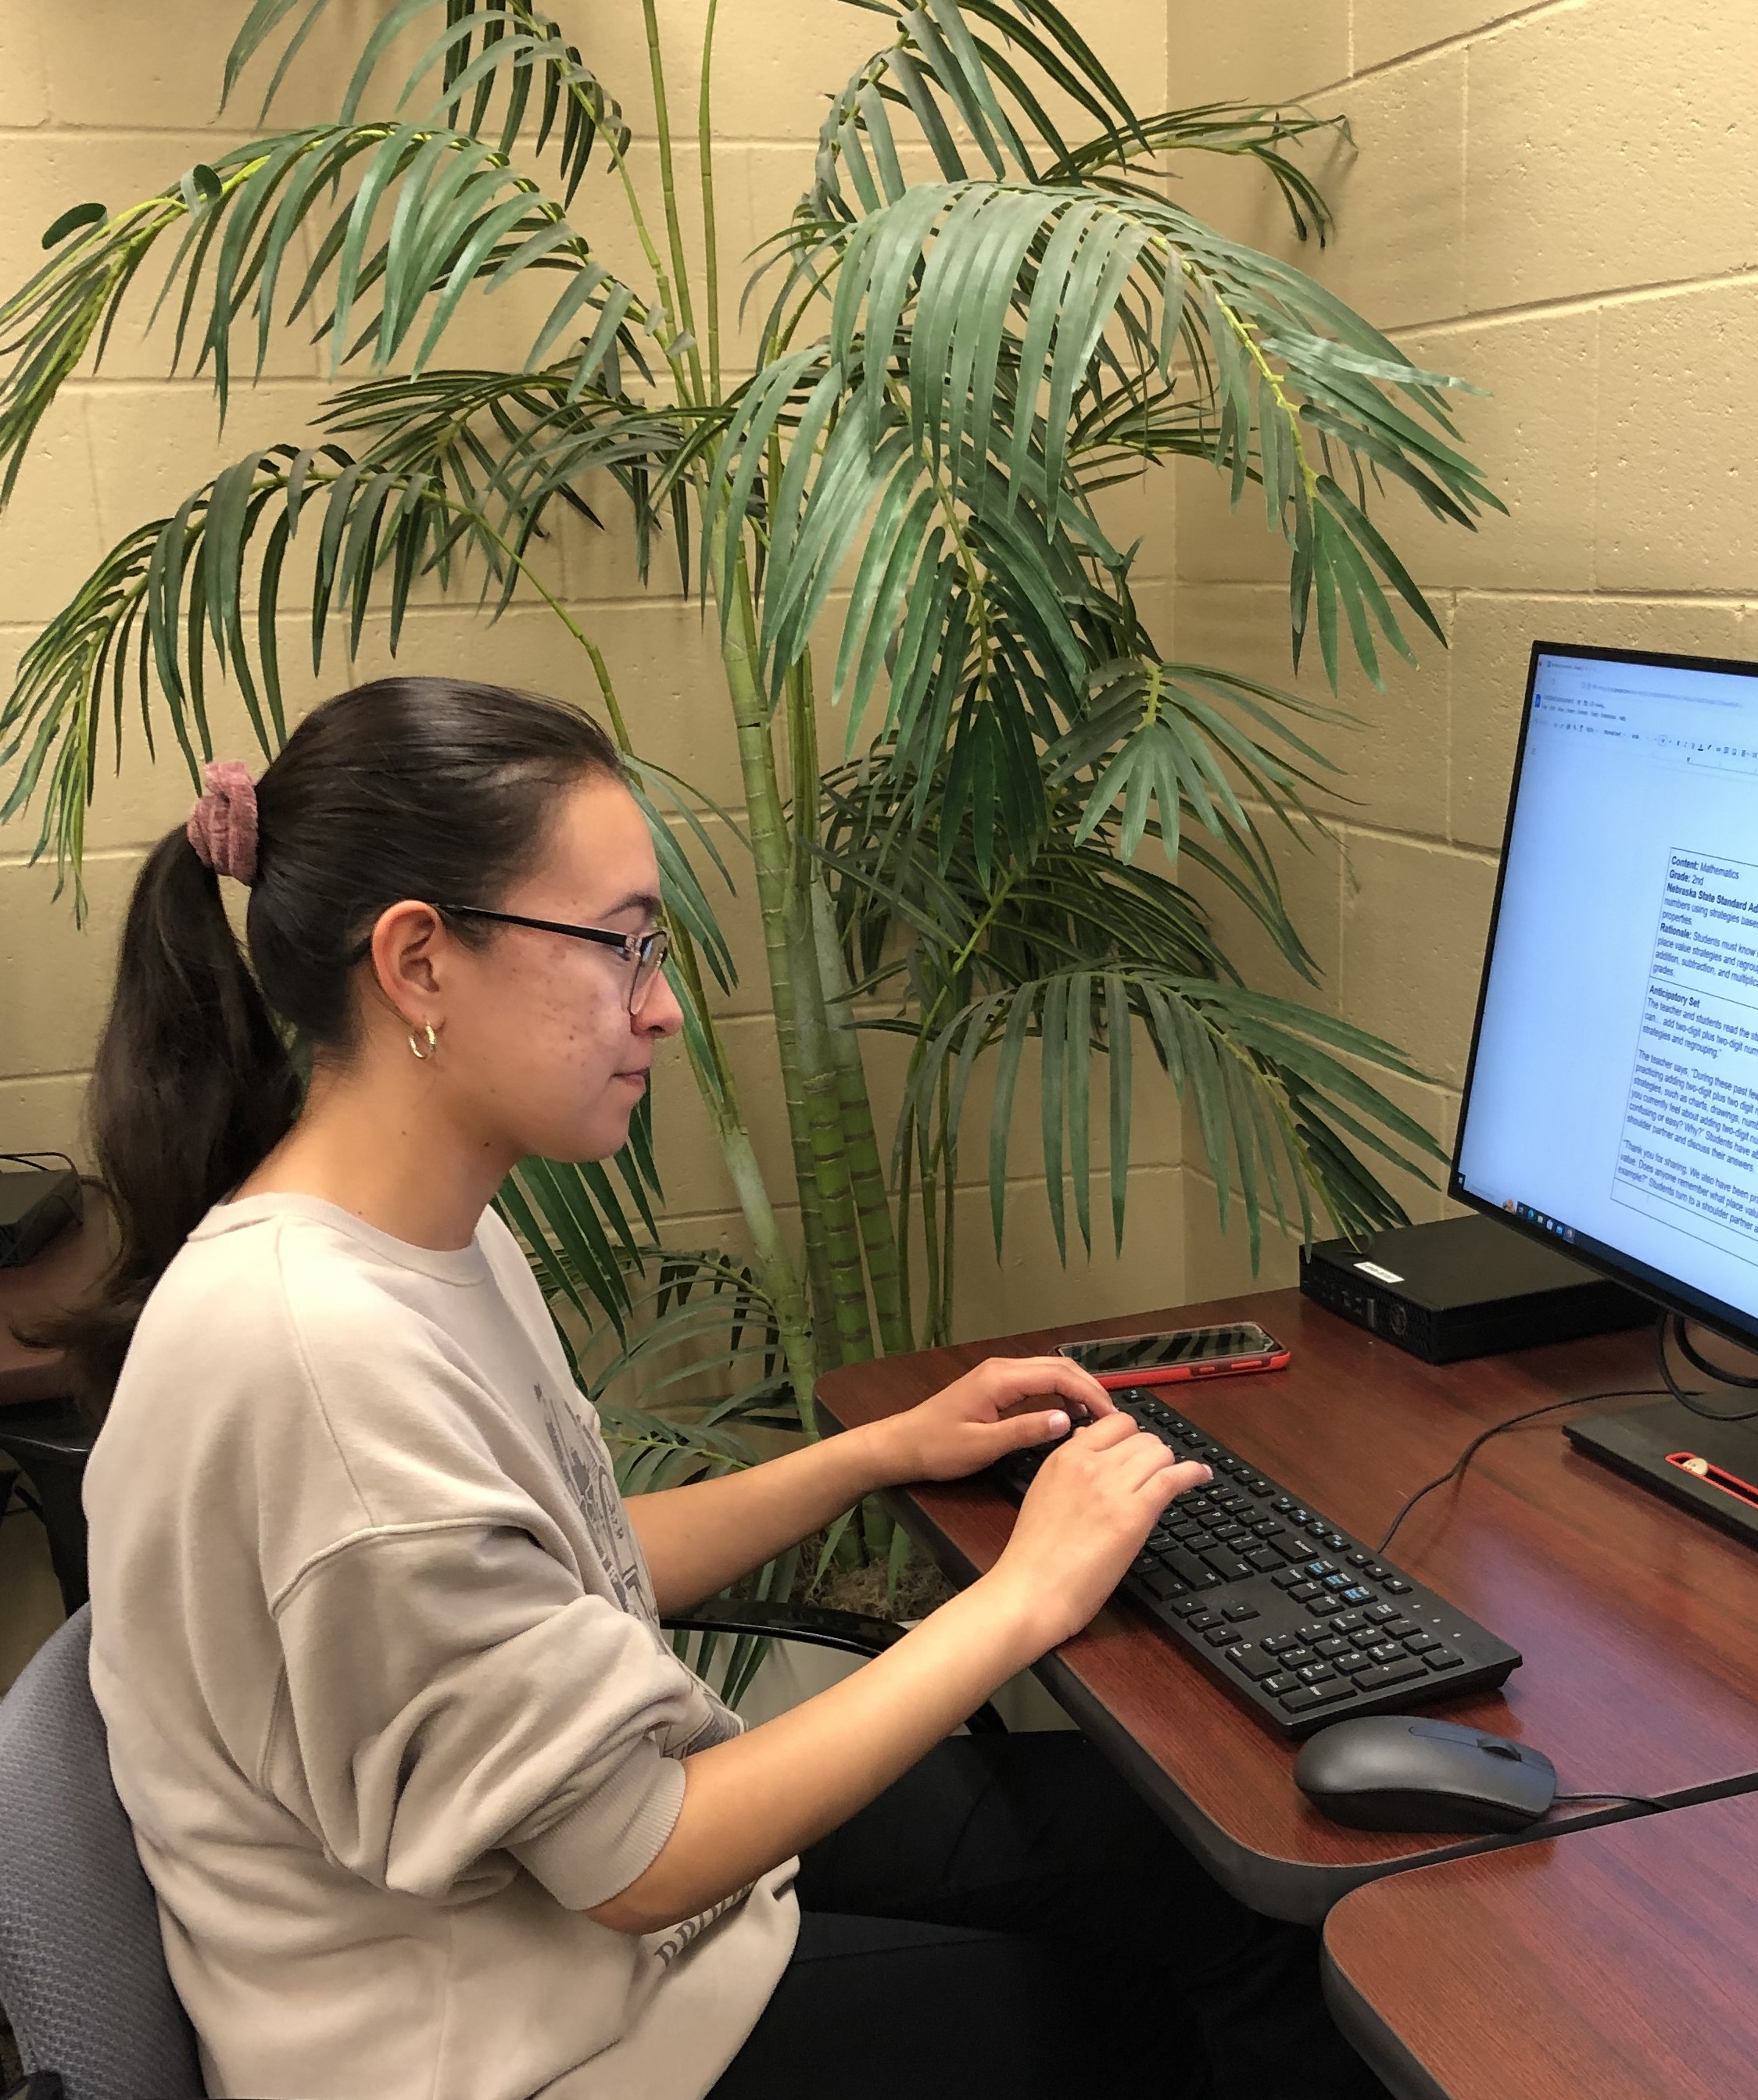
424 787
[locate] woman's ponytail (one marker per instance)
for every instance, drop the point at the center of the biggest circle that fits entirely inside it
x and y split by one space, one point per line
192 1087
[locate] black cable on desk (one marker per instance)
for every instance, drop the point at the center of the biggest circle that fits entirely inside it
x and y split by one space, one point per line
1456 1470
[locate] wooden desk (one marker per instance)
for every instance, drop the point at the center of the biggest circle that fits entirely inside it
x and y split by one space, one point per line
1638 1623
57 1279
1615 1963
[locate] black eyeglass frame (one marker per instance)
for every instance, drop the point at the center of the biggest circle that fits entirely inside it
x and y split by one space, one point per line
646 951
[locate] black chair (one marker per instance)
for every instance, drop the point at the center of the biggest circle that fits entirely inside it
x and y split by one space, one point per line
82 1975
49 1443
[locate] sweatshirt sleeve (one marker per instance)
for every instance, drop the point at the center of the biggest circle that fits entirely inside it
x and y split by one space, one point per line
450 1690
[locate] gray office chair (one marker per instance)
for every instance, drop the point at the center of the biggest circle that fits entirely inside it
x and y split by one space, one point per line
81 1965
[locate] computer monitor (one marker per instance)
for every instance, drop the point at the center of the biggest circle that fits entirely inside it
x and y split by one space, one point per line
1611 1100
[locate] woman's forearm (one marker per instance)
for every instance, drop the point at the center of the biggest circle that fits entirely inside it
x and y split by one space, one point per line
698 1539
751 1802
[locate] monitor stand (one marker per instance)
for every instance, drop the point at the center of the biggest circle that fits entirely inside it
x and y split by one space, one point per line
1652 1444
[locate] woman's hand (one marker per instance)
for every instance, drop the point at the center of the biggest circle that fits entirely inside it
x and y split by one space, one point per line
1006 1403
1084 1520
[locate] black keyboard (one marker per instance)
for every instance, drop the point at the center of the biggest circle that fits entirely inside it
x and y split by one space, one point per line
1303 1624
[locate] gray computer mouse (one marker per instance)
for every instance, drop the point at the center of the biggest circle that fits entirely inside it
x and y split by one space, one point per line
1399 1771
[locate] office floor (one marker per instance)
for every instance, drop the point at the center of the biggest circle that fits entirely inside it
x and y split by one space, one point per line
30 1604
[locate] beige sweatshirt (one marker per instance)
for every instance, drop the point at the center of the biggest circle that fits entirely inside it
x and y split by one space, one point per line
387 1703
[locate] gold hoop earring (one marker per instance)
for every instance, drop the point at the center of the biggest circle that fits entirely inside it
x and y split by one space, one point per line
433 1043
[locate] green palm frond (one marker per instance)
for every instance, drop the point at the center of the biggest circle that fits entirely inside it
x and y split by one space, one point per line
488 60
406 221
1275 1101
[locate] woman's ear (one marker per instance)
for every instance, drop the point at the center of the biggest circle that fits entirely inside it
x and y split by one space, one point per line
408 957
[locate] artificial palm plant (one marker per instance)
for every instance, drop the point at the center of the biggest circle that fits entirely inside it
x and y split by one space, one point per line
986 309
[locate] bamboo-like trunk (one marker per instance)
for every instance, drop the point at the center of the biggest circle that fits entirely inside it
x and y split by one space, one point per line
872 1202
793 970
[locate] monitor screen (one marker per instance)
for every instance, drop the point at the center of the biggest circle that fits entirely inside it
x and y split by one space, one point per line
1611 1100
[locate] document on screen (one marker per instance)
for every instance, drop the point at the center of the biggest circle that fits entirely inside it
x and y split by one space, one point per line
1688 1150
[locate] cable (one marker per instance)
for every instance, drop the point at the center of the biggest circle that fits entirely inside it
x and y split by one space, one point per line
36 1159
1639 1800
1456 1470
1675 1324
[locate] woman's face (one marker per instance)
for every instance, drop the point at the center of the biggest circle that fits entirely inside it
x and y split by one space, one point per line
537 1046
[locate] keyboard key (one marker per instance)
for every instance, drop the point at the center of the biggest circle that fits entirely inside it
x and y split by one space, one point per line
1188 1607
1164 1586
1282 1681
1313 1629
1283 1505
1359 1560
1200 1622
1268 1528
1404 1671
1331 1649
1252 1662
1339 1582
1447 1658
1199 1542
1316 1673
1294 1658
1236 1613
1396 1586
1188 1568
1353 1664
1228 1566
1379 1614
1220 1636
1397 1629
1421 1644
1386 1652
1348 1622
1146 1563
1265 1558
1355 1594
1276 1642
1288 1578
1320 1604
1303 1590
1310 1695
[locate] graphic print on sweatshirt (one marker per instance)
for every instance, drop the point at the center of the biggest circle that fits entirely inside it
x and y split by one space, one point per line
587 1466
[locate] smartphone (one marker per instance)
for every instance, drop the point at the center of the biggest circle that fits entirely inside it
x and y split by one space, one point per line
1127 1360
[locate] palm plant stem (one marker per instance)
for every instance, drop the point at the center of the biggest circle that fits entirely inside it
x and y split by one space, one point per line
668 191
705 132
771 853
776 1267
872 1202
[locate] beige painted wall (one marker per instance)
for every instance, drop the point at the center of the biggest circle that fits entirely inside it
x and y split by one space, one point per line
1557 202
1560 203
115 101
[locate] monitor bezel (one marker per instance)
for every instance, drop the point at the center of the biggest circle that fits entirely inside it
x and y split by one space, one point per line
1666 1292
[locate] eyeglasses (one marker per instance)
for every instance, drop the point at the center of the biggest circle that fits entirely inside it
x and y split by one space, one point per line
646 951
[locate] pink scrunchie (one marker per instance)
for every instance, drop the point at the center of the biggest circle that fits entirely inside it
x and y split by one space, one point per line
222 825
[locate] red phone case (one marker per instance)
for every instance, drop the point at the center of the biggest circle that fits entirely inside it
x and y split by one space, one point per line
1276 1360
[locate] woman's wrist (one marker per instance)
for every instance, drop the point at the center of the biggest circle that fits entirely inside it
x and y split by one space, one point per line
882 1454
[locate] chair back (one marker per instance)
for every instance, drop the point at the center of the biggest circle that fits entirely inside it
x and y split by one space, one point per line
82 1974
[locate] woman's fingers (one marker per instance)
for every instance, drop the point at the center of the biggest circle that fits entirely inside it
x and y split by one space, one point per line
1022 1378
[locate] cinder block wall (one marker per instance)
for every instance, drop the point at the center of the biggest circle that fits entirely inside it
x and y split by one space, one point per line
111 101
1558 202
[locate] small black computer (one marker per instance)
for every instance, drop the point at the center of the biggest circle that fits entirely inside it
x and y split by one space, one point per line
1610 1104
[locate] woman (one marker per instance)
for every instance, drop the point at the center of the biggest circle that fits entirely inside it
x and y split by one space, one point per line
429 1805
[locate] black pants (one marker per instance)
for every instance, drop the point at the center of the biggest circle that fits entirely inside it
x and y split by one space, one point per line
1011 1921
